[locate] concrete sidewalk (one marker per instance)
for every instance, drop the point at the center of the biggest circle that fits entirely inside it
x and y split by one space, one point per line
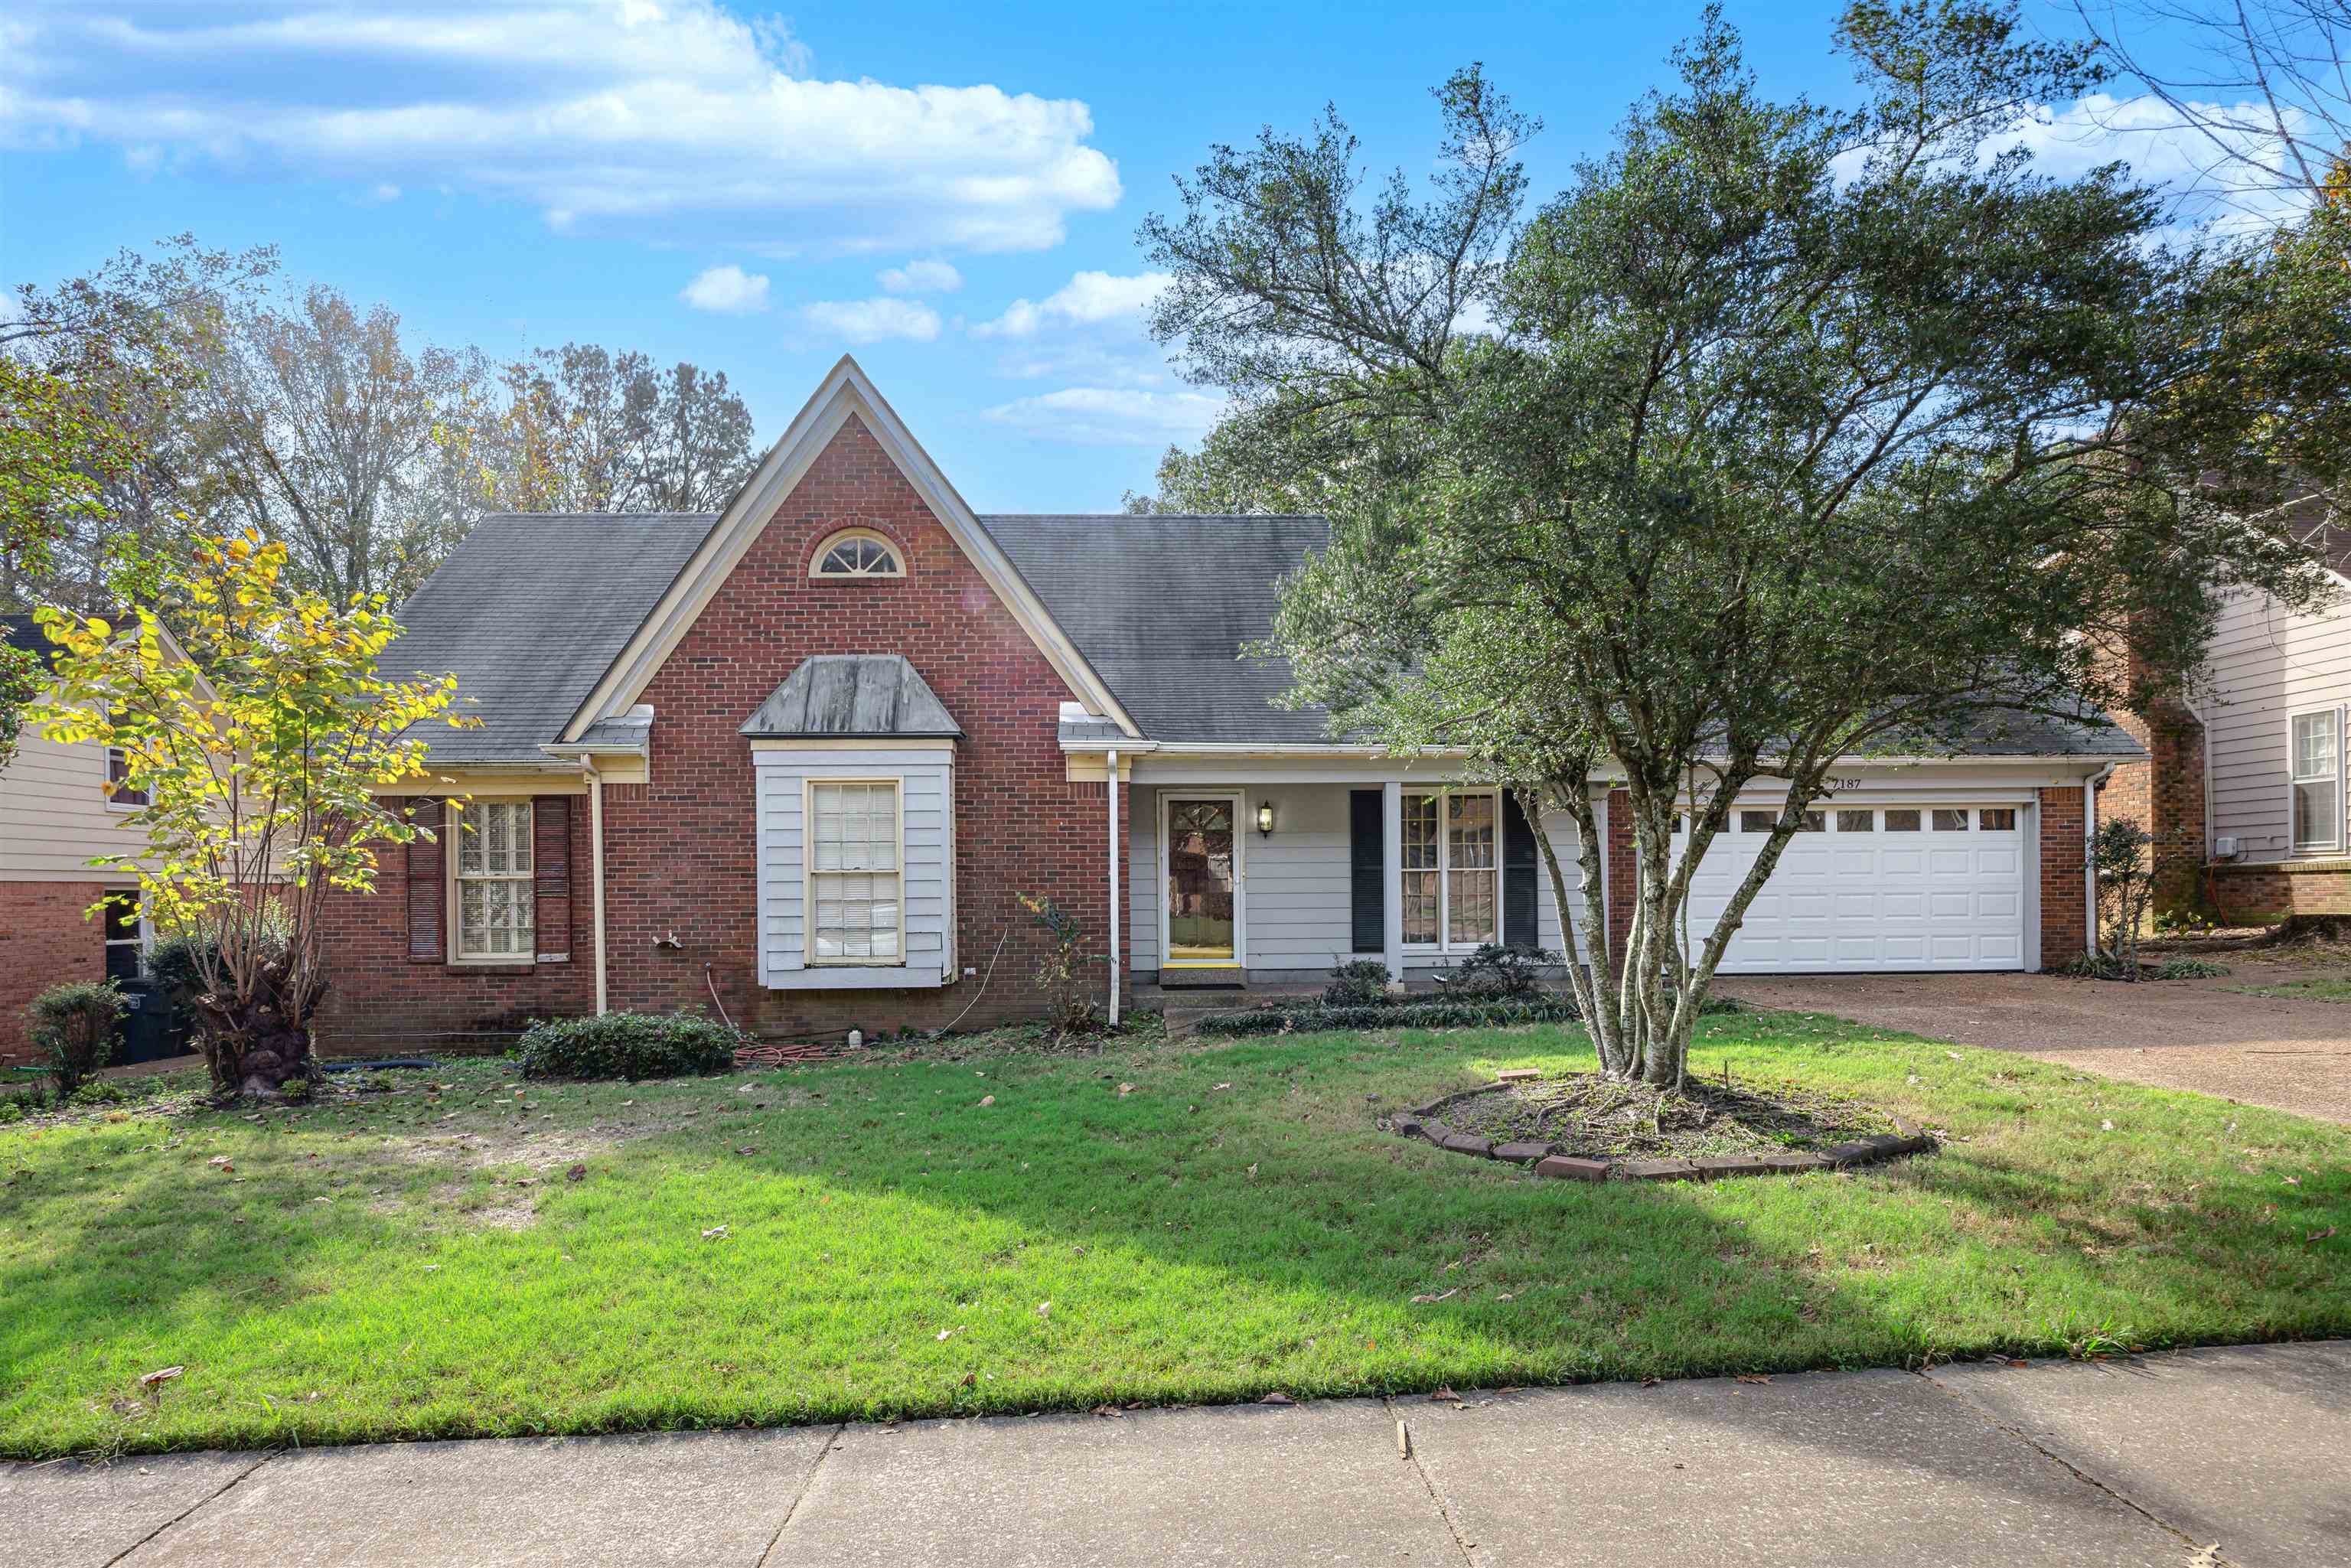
2119 1465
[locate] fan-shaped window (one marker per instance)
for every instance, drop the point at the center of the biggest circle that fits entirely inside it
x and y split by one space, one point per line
857 552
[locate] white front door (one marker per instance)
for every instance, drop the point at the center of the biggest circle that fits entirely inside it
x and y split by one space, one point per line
1200 914
1874 887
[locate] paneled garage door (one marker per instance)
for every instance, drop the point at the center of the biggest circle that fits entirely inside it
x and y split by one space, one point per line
1875 887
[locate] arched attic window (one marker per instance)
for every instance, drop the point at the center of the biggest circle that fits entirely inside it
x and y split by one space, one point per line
857 552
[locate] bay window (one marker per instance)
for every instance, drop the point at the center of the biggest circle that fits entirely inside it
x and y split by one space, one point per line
2316 752
494 905
1449 854
857 915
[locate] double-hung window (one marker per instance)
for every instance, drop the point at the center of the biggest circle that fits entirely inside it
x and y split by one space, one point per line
497 913
856 913
2316 750
1450 856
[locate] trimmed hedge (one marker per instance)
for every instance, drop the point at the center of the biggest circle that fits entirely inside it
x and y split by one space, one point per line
1442 1014
627 1046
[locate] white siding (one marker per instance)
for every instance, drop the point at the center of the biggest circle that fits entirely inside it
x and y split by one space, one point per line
2266 664
926 779
54 813
1296 902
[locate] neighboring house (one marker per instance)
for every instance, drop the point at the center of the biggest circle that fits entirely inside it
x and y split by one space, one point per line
2244 786
794 761
58 810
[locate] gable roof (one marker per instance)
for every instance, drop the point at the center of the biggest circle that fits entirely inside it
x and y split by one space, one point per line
835 695
845 393
23 632
528 611
1161 605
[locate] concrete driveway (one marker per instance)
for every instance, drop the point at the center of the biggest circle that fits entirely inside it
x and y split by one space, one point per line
2290 1054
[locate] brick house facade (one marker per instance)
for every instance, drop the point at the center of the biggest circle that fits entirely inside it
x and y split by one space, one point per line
679 849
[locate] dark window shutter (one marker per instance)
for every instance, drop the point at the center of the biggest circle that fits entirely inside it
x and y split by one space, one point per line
1367 888
428 895
1519 928
551 851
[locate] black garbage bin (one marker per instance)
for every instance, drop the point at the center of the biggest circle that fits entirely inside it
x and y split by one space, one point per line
151 1028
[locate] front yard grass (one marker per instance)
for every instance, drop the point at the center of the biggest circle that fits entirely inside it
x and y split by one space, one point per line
2317 988
1155 1224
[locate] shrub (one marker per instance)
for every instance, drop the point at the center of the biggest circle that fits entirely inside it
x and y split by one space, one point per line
1440 1014
1360 983
1494 970
1061 972
627 1045
2185 969
74 1027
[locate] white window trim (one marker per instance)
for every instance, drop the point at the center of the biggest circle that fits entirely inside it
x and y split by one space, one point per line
145 940
1168 796
809 873
2294 846
113 799
1445 946
453 936
842 535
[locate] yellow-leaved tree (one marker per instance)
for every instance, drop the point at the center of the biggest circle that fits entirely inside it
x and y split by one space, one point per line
256 755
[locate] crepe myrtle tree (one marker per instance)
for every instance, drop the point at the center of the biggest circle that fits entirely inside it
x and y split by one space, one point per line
1782 435
255 758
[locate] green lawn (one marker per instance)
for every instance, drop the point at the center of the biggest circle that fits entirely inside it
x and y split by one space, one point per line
2317 988
1232 1224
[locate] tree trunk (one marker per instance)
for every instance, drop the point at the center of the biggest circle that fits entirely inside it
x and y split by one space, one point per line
256 1047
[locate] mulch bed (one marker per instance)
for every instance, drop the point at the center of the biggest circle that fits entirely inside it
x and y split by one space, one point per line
1585 1127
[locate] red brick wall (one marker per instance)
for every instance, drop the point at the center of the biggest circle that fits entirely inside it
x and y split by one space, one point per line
2165 795
1623 895
2064 877
679 852
377 1002
44 942
2266 893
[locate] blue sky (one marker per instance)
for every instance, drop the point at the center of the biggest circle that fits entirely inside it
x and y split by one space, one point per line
950 191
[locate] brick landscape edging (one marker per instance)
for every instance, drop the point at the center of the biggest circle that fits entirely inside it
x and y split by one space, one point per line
1547 1162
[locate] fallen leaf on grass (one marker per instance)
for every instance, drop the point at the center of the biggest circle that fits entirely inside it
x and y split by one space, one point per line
1108 1411
988 1100
1124 1090
716 1233
1044 1309
161 1375
1445 1395
1439 1295
1754 1377
577 1173
2320 1235
944 1334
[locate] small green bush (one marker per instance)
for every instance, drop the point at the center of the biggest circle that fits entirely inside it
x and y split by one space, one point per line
1360 983
1494 970
74 1026
1440 1014
627 1046
2185 969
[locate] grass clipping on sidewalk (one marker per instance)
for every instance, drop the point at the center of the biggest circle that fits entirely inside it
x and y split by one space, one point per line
473 1254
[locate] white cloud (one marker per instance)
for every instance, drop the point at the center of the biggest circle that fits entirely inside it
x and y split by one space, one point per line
1088 299
384 191
1111 416
2150 136
920 277
872 320
729 290
670 118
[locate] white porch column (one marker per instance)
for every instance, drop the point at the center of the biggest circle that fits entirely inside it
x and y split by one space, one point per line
1392 877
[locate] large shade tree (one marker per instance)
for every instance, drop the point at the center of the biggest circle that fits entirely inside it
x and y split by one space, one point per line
1781 435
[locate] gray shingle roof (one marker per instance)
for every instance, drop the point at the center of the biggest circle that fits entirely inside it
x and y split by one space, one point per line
24 631
532 609
1161 605
529 613
853 694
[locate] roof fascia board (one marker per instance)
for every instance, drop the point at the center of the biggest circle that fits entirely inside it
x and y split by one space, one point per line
844 392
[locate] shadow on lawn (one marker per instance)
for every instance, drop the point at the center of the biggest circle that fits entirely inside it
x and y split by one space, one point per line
1245 1192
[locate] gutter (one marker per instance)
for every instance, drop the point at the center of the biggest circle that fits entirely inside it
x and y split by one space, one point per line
1114 886
2090 787
596 870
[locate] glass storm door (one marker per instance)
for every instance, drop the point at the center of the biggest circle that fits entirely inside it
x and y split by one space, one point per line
1202 887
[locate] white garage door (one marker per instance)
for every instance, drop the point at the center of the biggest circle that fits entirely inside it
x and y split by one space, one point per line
1874 887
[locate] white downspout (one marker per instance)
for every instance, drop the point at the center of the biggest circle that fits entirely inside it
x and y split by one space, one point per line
1112 760
596 872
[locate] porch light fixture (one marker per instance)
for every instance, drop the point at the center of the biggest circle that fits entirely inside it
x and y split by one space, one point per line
1265 819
